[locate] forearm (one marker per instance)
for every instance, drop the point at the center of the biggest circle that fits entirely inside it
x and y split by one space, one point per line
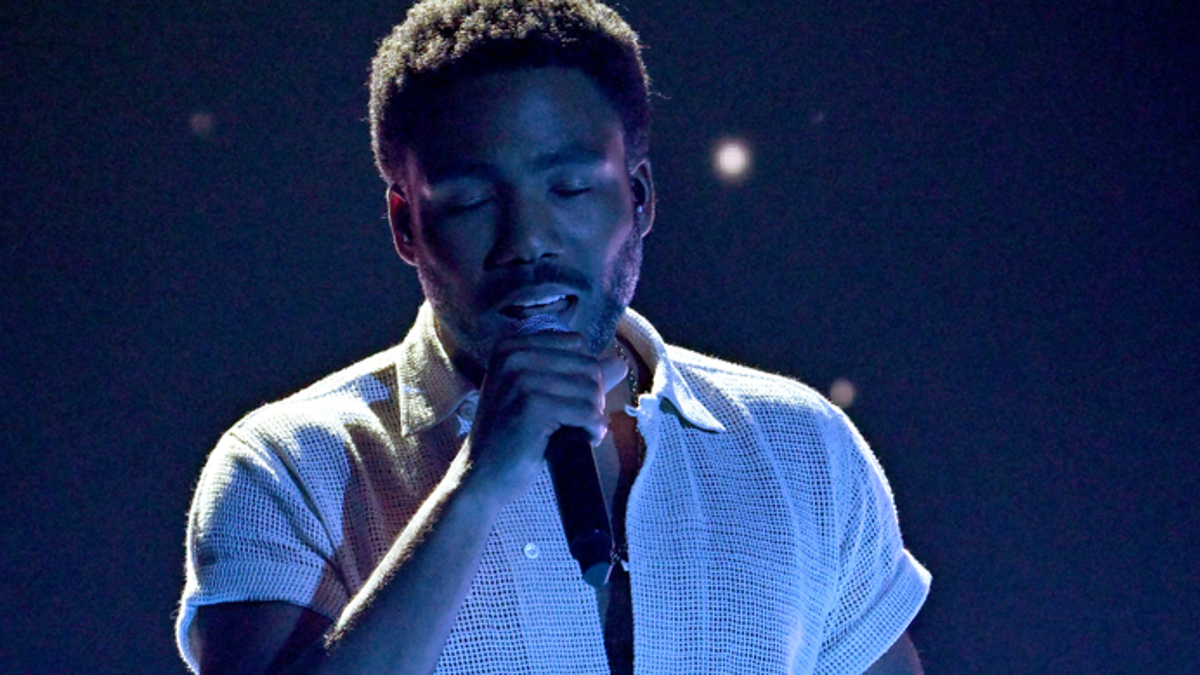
900 659
399 621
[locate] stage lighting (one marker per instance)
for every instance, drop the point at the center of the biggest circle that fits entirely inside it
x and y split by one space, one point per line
732 160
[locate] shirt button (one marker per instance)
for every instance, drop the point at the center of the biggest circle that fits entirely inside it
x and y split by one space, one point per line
532 551
467 409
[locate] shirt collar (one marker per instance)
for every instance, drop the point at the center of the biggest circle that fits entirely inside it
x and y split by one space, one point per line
431 388
668 383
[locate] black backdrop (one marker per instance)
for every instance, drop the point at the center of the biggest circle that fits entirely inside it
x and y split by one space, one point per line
982 214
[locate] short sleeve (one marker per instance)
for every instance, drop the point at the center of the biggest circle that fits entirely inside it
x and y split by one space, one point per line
255 535
880 586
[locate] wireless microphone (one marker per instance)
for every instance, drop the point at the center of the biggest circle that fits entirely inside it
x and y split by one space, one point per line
577 484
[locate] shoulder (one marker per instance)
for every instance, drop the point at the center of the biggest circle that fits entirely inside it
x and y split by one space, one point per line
712 380
283 470
715 380
303 438
355 394
803 430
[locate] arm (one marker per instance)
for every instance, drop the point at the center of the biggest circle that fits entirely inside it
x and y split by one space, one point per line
397 623
900 659
400 619
880 586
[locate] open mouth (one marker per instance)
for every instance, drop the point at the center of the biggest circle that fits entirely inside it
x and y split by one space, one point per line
552 303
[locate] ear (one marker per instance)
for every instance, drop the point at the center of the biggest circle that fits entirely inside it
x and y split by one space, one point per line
400 220
641 183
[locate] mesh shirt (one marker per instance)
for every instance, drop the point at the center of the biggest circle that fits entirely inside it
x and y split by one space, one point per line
762 534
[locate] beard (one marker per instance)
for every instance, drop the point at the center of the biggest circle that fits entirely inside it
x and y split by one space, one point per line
459 316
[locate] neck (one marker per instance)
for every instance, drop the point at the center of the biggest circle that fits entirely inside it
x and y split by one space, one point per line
470 367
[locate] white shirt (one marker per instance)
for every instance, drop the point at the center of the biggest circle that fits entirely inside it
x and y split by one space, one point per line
761 530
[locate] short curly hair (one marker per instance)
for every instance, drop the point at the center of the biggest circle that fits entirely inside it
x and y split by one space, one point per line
443 40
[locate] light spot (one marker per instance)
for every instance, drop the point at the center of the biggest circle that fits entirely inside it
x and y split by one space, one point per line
842 392
464 426
732 160
202 124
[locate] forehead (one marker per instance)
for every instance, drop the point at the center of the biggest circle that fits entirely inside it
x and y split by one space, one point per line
516 118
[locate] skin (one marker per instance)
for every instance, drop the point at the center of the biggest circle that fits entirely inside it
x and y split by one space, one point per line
537 191
520 182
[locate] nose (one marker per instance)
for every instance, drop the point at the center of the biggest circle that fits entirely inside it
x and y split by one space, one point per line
526 231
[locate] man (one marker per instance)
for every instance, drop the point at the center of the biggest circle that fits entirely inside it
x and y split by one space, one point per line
396 517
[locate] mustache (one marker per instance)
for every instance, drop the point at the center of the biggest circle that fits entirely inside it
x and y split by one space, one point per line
510 280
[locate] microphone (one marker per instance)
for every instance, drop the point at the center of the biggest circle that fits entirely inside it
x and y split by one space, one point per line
576 484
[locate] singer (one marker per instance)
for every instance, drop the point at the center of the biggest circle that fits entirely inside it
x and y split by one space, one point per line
399 516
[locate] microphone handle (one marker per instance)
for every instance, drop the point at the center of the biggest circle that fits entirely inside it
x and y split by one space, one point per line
581 503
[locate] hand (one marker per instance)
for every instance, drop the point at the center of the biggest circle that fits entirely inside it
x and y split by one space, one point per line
536 384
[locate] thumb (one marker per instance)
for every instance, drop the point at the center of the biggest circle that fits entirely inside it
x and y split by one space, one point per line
614 370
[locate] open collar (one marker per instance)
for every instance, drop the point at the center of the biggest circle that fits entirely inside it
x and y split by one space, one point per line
431 388
669 383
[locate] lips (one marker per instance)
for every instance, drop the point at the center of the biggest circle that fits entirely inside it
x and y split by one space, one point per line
528 302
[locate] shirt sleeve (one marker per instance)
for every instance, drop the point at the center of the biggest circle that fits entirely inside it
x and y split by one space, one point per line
254 534
880 586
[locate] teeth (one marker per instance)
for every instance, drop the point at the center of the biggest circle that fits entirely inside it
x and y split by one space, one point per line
541 302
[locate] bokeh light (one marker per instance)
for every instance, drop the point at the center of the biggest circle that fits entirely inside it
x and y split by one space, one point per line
732 160
202 124
842 392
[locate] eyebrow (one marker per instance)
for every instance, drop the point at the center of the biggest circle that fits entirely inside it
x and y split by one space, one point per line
572 154
457 170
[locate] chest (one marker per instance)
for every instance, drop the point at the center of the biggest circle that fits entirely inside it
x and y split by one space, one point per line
618 460
720 546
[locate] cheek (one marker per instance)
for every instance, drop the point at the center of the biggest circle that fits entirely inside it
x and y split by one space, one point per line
452 253
618 238
610 224
445 275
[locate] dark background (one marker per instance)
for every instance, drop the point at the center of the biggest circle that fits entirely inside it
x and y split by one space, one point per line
982 214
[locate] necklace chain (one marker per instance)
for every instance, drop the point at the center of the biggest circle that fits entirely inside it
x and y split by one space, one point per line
621 548
631 375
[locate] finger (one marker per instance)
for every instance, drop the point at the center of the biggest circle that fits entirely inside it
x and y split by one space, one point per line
544 389
574 412
614 370
574 342
553 372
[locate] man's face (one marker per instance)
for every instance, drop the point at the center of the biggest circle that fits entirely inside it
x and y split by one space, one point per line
520 202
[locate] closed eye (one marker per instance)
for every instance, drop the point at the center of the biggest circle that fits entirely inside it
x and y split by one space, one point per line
571 190
459 206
